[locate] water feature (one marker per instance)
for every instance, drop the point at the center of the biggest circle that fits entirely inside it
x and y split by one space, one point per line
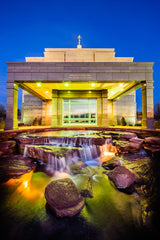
58 152
109 215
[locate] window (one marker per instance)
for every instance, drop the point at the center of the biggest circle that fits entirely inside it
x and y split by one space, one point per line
79 111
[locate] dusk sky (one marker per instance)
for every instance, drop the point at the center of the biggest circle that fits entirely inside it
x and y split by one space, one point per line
132 27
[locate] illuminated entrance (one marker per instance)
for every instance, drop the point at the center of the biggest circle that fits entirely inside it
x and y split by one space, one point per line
79 111
79 86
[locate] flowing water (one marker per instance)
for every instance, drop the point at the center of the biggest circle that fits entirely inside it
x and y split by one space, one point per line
109 215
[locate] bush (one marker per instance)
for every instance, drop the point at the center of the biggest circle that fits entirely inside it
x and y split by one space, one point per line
123 121
2 124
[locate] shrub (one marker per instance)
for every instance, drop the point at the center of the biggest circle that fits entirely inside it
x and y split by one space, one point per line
123 121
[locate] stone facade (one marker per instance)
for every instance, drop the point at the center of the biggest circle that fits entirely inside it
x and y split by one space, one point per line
86 73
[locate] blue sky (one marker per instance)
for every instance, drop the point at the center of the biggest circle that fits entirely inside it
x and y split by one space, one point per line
131 27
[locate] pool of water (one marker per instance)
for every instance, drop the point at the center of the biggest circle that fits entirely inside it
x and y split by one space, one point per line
110 214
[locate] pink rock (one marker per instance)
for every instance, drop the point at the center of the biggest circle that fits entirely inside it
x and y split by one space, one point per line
153 140
7 144
136 140
122 177
131 147
63 197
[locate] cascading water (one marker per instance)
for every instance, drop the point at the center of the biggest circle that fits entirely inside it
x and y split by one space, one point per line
58 153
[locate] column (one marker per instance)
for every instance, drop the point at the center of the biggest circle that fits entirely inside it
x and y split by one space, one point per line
111 121
44 113
99 111
105 121
147 105
12 104
144 106
150 105
59 111
54 122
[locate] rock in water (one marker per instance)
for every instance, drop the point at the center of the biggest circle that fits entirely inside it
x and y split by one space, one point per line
112 163
153 140
63 197
123 178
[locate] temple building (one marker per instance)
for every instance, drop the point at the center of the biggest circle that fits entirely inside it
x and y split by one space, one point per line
79 86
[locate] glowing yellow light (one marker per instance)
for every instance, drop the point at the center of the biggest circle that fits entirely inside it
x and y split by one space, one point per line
39 84
46 91
93 84
25 184
109 154
66 84
121 84
112 91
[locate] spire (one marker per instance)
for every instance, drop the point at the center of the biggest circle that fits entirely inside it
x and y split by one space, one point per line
79 41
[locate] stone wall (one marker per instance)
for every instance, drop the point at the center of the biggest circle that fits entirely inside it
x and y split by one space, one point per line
31 109
126 107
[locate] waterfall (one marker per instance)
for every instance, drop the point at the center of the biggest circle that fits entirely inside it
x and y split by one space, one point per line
79 148
55 163
25 151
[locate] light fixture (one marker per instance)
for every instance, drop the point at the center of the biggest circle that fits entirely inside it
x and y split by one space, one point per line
112 91
39 84
66 84
46 91
93 84
121 84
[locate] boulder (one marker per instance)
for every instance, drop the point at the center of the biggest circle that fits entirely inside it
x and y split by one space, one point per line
136 140
123 178
7 144
13 166
7 147
153 149
63 197
112 163
130 147
126 135
152 140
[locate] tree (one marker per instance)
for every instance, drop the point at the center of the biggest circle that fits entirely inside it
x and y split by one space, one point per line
157 111
2 112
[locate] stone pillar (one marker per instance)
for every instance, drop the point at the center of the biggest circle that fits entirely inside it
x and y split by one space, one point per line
59 111
54 122
111 121
44 113
12 103
144 107
105 121
99 111
147 105
150 105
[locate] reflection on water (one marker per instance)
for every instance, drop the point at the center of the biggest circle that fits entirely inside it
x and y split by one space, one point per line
110 214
